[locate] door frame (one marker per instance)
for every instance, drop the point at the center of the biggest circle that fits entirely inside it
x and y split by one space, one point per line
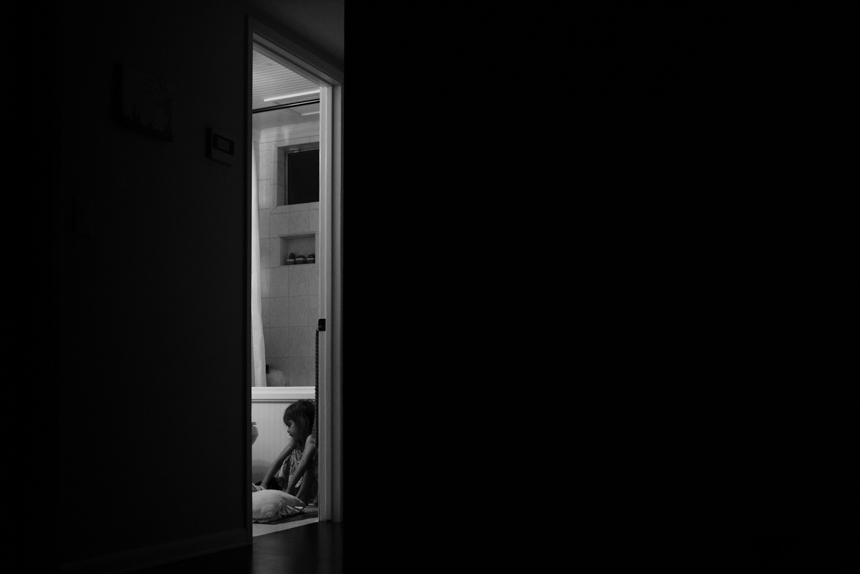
298 59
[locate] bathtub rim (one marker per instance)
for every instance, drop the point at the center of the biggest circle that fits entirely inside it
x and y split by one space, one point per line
280 394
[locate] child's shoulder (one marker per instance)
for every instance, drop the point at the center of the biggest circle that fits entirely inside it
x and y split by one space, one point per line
309 442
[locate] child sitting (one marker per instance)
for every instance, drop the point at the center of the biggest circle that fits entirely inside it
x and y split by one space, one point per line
289 470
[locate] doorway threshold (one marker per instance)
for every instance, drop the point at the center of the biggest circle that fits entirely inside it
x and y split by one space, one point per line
263 529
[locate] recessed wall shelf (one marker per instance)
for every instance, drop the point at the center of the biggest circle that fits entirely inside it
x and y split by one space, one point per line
303 244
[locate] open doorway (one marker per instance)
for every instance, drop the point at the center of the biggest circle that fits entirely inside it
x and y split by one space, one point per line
295 178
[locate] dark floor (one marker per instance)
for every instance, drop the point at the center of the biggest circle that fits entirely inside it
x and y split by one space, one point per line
312 549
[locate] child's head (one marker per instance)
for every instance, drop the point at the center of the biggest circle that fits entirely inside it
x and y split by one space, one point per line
299 418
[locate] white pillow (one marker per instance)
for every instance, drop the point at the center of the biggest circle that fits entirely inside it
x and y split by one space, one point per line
273 505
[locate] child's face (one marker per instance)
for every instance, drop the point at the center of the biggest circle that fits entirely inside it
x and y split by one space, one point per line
294 430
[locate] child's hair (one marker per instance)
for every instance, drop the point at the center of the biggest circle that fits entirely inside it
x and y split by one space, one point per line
301 412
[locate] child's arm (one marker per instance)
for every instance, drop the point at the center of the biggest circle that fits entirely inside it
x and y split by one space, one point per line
307 459
270 474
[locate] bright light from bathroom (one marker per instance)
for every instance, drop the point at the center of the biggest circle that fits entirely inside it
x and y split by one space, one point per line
292 95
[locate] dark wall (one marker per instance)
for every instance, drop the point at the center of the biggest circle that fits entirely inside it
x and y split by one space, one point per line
139 319
152 305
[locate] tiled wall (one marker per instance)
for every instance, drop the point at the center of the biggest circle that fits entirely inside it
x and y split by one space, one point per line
290 292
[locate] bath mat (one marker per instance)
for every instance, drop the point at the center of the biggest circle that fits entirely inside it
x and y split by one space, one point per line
308 512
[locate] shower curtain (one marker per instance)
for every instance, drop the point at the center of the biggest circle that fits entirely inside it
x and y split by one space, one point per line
258 347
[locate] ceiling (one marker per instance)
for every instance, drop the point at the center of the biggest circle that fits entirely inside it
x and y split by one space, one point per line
271 79
317 22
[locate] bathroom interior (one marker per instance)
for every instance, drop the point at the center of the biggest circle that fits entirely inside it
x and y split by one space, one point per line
286 140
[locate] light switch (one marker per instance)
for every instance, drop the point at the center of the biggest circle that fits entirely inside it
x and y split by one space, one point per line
220 147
